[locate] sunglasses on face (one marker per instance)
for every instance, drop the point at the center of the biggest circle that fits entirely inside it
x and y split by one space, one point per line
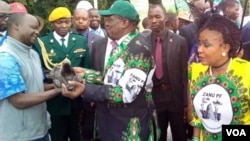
4 15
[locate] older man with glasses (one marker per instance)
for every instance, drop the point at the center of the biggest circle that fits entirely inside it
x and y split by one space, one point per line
4 14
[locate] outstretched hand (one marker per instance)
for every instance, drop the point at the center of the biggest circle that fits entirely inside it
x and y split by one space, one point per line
77 91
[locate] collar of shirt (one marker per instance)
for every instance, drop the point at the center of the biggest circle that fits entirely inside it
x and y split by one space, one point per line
109 47
3 33
171 30
177 31
98 31
146 29
58 38
3 37
163 37
85 33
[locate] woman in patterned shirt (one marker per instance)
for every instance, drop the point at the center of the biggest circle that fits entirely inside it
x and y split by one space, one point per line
220 81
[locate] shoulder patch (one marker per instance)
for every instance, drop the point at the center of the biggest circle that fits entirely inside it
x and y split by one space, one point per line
75 33
75 36
45 34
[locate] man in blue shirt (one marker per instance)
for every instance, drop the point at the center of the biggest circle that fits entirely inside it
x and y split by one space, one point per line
23 114
81 22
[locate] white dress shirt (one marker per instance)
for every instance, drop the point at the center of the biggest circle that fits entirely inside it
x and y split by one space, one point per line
98 31
58 38
109 48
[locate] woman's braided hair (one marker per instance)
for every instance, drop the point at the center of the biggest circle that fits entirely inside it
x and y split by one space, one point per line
229 30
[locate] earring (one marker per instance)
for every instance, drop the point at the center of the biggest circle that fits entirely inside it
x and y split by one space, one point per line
223 54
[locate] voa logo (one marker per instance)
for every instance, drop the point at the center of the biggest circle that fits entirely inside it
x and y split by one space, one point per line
236 132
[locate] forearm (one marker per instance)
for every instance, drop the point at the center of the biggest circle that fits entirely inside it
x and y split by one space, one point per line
196 132
96 92
48 86
24 100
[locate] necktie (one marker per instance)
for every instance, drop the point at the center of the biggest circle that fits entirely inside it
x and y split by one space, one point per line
158 59
114 47
63 44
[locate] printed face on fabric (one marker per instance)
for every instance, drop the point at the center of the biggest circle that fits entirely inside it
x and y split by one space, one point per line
157 19
113 25
62 26
210 46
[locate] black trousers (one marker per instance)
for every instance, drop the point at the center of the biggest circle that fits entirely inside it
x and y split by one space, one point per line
176 122
189 130
88 121
64 128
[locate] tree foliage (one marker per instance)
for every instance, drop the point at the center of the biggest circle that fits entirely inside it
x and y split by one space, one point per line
43 8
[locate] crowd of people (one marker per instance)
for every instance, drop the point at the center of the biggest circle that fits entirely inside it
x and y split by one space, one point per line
187 71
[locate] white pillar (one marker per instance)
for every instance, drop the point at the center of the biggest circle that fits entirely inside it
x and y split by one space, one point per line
96 4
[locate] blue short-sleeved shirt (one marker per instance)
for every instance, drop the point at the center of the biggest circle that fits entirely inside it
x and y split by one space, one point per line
11 80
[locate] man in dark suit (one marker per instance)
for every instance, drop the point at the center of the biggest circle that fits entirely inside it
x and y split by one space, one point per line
53 48
171 75
95 20
121 114
81 23
246 50
146 27
245 33
190 33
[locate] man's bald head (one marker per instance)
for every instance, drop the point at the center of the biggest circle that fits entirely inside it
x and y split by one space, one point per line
23 27
15 18
80 10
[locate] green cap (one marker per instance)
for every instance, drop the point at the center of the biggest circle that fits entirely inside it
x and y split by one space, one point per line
122 8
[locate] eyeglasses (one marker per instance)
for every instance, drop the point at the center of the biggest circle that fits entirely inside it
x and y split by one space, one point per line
4 15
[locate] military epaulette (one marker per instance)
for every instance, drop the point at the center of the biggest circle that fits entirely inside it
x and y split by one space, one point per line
75 33
45 34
